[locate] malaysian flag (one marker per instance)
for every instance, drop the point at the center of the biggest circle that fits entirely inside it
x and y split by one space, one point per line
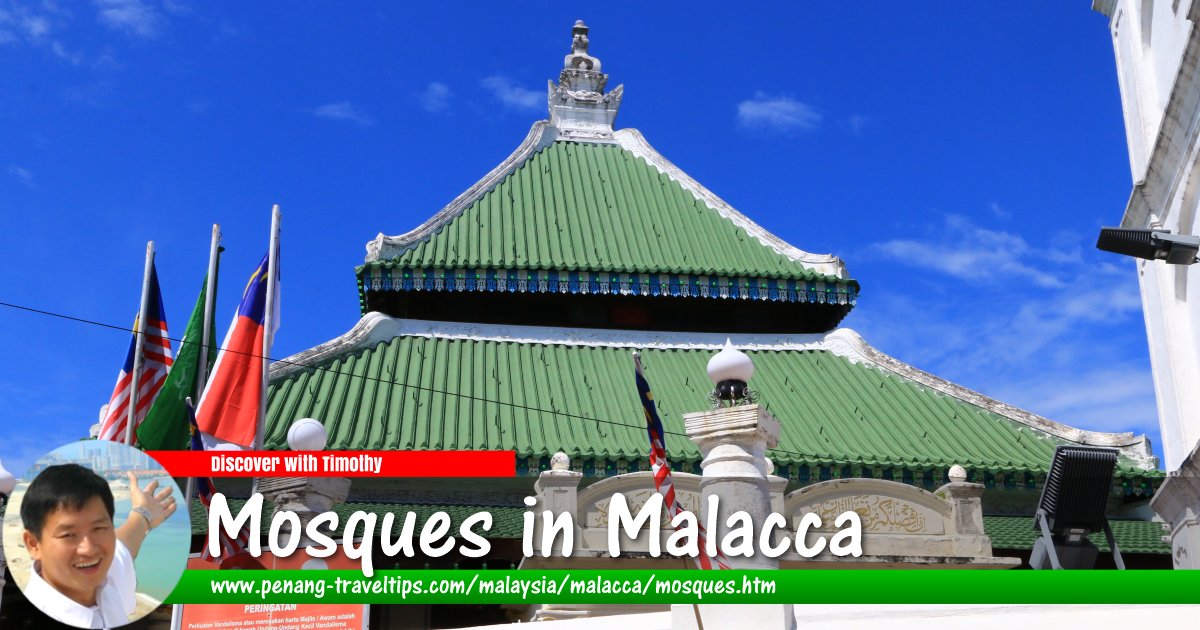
157 360
231 547
662 468
228 411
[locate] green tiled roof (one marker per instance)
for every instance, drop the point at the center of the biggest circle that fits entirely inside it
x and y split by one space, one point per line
506 520
430 393
596 207
1016 532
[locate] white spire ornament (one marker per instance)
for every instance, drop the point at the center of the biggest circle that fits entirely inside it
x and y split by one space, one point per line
730 370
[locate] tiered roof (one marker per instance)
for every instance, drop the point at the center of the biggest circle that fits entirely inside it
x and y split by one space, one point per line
579 211
847 409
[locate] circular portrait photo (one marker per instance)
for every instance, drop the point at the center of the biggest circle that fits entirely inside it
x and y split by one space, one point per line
95 534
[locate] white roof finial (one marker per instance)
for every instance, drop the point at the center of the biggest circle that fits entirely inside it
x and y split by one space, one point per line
579 108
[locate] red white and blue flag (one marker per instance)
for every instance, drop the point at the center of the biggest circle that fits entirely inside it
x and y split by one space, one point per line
662 468
157 360
228 411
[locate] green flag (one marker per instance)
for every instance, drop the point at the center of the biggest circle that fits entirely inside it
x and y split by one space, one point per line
166 425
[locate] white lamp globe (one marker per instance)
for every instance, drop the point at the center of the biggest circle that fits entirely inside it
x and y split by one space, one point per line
7 482
730 364
307 434
315 564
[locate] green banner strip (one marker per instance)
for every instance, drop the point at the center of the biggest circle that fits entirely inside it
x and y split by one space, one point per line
688 586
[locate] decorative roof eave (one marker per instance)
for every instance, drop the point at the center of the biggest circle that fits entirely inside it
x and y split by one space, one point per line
384 276
633 141
844 342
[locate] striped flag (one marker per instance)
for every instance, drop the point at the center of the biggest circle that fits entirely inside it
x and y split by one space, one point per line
231 547
156 351
228 410
662 468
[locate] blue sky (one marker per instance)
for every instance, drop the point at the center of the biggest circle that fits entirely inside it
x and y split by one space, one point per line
960 158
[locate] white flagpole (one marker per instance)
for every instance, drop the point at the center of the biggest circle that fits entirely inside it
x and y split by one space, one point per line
268 323
268 328
139 345
210 296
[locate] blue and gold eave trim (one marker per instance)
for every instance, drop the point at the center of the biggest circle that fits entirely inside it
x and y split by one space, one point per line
808 473
463 280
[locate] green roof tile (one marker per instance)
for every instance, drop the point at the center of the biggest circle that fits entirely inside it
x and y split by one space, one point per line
417 392
1016 532
596 207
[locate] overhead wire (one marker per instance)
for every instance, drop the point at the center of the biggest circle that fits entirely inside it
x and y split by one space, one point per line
329 370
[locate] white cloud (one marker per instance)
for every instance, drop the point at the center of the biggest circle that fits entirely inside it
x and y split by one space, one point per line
1042 326
435 98
970 252
777 113
344 111
22 174
514 96
35 26
132 17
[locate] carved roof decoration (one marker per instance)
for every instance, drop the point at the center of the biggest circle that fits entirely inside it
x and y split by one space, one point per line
579 108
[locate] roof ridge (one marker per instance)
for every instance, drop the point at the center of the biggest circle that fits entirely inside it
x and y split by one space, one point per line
541 135
633 141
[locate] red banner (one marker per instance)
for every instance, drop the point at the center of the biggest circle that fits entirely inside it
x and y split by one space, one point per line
338 463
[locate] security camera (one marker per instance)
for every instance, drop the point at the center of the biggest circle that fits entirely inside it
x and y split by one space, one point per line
1176 249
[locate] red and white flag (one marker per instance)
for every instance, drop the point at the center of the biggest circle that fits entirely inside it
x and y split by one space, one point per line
228 411
157 361
662 468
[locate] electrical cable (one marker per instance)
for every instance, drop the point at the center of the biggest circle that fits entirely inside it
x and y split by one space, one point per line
334 372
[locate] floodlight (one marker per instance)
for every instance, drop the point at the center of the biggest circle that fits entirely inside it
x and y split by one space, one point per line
1151 244
1072 506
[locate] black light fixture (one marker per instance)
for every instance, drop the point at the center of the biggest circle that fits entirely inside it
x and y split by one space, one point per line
1150 244
1072 506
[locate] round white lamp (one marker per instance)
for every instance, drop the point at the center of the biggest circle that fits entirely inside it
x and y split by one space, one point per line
730 369
315 564
307 434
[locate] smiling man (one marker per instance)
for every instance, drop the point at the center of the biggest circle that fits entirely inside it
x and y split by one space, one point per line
83 571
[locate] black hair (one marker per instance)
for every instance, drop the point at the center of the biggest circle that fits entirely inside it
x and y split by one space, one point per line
64 486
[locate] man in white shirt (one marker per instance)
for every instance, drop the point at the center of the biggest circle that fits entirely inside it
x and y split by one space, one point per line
83 571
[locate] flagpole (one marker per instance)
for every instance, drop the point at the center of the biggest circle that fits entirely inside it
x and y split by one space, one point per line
210 296
268 323
268 330
140 344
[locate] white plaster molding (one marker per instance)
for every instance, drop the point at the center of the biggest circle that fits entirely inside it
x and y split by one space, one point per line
842 342
633 141
847 343
368 331
541 135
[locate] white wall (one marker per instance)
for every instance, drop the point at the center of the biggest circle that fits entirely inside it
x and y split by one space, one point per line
1151 41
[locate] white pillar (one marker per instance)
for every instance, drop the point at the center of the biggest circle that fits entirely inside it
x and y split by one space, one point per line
736 471
1177 501
733 441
